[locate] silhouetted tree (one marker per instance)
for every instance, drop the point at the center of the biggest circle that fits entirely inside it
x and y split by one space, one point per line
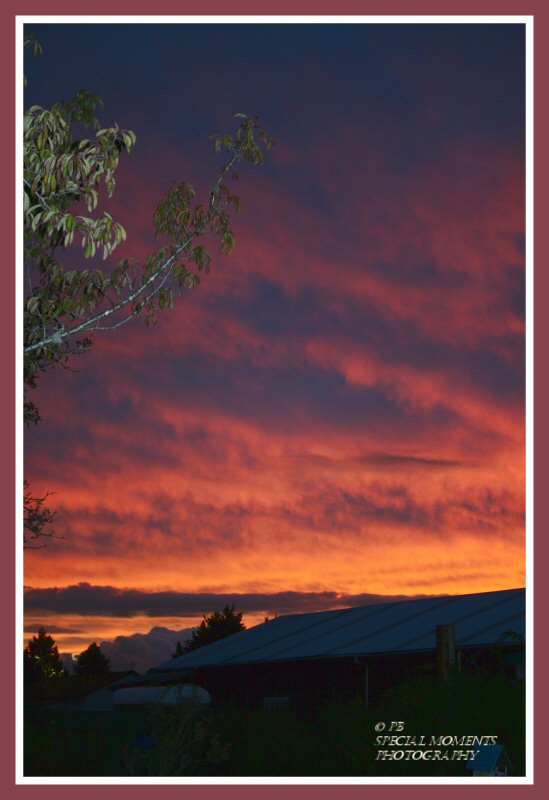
217 626
92 662
178 650
41 658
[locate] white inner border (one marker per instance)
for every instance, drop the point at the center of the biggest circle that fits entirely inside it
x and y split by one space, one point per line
528 21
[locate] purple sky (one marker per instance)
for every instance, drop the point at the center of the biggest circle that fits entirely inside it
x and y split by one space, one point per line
337 414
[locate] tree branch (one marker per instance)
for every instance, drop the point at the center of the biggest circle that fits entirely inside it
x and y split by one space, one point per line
141 293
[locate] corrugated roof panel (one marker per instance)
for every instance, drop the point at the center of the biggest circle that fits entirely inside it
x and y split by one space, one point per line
478 619
273 634
314 629
382 628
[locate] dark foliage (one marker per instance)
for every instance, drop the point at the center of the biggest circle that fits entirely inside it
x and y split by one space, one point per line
212 628
41 659
92 662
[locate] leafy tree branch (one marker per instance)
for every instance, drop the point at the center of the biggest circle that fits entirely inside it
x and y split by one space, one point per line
64 175
60 172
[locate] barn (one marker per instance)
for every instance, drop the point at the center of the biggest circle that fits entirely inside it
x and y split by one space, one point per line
304 659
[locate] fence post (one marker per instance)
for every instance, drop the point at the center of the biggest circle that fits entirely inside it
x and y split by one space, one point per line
446 651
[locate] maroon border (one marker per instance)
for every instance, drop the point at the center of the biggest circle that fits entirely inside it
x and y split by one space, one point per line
540 10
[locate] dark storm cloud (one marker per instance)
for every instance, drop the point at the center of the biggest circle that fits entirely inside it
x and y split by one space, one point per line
51 628
87 600
389 461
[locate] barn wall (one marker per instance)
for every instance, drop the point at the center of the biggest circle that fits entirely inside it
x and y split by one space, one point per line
312 682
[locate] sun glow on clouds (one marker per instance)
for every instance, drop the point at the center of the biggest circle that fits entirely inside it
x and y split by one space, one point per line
339 407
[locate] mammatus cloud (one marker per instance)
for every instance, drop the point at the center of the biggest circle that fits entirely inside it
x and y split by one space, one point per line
141 651
67 661
138 652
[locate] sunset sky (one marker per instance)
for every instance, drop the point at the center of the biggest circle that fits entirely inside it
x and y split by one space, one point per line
337 414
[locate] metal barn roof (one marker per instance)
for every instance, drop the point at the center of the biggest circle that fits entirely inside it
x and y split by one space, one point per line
395 627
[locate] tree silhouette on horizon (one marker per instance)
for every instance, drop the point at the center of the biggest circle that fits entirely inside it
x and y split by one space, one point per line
41 658
92 662
214 627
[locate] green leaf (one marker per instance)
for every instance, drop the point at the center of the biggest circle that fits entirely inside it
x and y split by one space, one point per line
32 304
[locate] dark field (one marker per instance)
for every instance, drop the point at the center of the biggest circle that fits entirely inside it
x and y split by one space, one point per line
335 740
